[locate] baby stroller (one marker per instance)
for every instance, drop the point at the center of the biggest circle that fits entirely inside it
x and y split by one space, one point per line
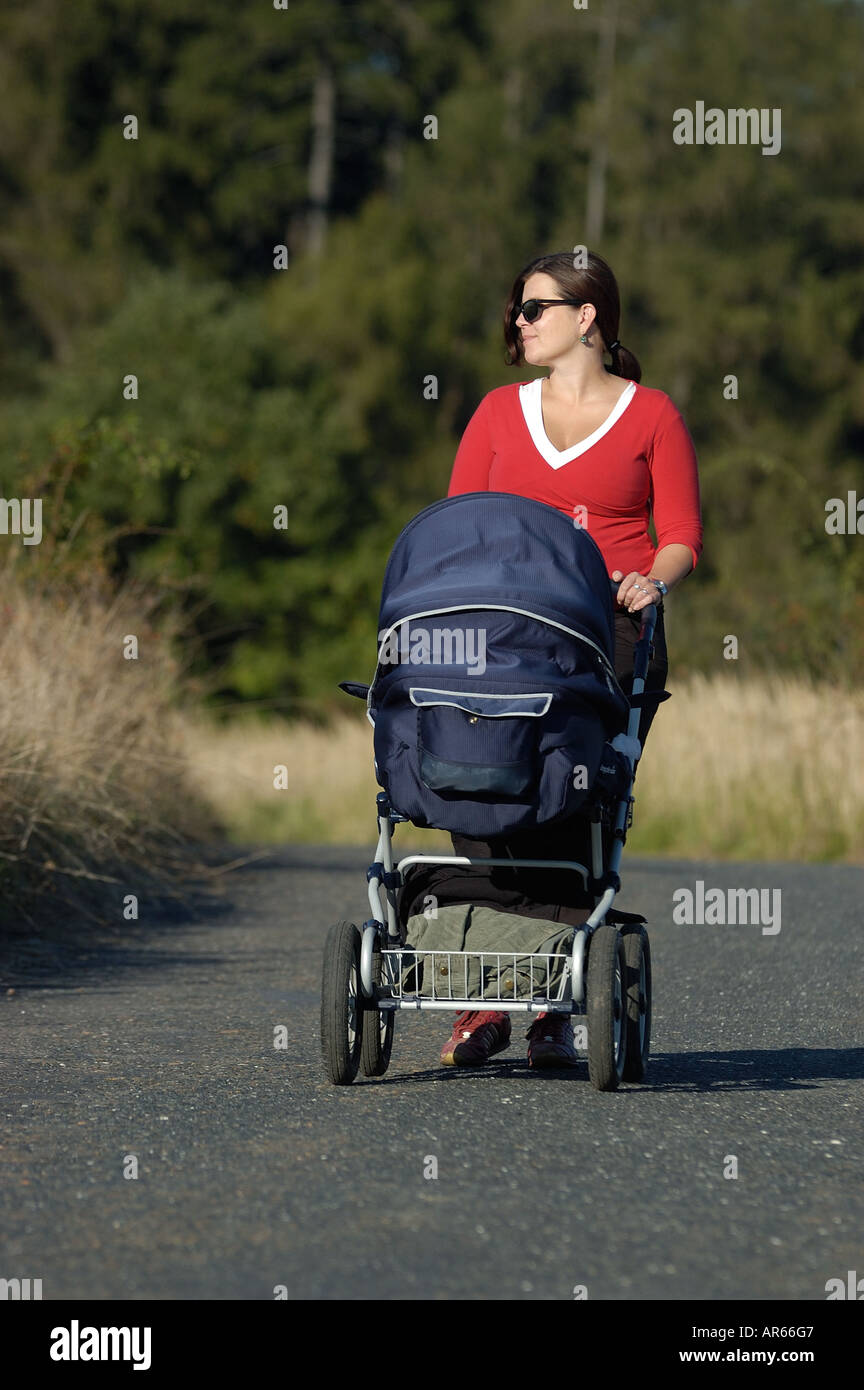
496 709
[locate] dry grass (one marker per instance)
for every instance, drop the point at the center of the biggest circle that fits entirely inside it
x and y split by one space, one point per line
770 769
330 797
107 784
94 803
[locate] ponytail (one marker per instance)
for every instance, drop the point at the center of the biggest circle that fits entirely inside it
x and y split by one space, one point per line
624 363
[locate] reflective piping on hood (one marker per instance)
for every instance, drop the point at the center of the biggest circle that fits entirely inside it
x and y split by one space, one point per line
490 608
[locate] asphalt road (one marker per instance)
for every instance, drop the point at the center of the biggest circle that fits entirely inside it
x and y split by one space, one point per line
254 1172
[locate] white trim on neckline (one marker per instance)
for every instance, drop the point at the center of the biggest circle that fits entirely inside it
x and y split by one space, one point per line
530 401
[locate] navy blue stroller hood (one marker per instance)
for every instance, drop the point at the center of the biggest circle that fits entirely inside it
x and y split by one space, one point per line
495 692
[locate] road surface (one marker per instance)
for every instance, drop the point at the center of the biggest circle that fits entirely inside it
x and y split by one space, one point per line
153 1052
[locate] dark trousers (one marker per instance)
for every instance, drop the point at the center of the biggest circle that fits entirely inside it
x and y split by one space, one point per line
554 894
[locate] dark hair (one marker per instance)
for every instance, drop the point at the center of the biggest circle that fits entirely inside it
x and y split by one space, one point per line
594 285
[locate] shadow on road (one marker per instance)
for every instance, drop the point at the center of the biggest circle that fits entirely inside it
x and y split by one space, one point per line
785 1069
67 952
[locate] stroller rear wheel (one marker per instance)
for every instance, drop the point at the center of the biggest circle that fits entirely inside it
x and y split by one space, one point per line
607 1024
342 1012
378 1024
637 957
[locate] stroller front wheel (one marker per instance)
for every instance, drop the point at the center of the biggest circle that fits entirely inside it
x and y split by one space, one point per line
606 1008
342 1013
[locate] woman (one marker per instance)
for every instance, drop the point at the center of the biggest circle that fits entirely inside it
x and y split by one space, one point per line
612 456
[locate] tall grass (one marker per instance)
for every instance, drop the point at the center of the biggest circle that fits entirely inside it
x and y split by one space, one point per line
94 800
330 792
770 768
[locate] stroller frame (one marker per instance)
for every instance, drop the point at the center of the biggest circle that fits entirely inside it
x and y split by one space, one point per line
373 959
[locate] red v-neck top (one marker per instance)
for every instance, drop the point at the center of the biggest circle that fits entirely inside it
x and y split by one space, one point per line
642 465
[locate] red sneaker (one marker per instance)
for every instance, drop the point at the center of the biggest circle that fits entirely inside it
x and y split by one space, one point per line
551 1043
475 1038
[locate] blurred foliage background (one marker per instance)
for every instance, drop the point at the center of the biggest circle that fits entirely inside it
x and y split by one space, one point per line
303 387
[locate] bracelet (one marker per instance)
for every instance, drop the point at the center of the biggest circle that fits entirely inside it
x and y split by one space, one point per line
660 584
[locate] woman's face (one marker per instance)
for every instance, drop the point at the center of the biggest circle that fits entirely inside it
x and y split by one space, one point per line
558 329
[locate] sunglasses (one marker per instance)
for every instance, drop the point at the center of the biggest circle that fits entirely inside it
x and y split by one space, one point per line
533 308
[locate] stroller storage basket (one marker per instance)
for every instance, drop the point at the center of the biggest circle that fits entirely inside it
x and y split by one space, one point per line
496 977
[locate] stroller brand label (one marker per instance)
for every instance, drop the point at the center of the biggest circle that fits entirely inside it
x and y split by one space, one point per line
433 646
727 907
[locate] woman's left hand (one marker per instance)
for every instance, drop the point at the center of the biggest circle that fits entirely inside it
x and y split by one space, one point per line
635 592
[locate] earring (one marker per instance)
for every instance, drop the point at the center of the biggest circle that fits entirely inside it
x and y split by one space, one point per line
584 340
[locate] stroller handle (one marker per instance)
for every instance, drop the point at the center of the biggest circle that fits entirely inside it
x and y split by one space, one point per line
642 654
648 613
